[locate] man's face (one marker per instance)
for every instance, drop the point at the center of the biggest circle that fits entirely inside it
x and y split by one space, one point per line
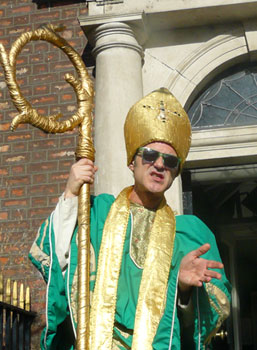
153 177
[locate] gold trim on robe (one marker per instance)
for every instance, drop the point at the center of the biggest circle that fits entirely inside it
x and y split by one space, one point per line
222 307
153 287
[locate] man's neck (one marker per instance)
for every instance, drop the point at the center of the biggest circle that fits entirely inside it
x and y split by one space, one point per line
147 199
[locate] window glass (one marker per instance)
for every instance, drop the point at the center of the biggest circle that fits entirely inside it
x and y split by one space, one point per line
229 101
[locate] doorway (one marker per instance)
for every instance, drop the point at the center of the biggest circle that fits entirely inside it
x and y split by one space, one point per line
229 208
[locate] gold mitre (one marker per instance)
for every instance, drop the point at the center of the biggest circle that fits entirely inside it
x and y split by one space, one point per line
157 117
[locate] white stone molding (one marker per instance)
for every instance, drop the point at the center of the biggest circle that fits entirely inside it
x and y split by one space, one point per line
250 28
167 14
223 146
118 86
201 65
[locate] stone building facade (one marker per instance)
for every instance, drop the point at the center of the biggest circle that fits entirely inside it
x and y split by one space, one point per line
205 53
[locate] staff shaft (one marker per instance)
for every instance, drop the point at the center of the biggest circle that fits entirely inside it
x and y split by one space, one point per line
83 268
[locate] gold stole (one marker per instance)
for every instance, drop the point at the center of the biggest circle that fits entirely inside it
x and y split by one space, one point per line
153 287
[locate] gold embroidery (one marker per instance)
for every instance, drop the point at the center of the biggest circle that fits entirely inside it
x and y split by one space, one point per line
222 306
142 223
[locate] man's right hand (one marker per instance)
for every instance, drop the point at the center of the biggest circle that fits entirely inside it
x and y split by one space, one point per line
83 171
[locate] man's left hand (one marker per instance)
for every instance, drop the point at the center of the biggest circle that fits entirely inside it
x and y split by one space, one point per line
194 270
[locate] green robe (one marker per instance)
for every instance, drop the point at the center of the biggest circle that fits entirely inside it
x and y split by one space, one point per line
211 302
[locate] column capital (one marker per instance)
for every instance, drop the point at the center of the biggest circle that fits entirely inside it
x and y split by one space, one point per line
135 21
113 35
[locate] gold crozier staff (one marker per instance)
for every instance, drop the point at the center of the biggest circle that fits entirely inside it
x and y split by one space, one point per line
83 88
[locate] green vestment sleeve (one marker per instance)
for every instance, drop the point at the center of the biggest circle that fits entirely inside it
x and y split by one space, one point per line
61 290
211 302
43 256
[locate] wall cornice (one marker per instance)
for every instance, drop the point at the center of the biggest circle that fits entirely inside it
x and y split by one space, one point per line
168 14
223 146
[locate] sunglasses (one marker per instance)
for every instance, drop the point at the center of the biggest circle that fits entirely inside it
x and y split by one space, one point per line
150 155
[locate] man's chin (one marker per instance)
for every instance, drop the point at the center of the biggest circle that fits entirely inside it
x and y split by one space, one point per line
157 190
159 187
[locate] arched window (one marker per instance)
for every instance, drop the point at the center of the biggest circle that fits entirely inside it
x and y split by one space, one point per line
229 101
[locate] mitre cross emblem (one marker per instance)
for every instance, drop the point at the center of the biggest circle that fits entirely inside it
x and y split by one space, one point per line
163 111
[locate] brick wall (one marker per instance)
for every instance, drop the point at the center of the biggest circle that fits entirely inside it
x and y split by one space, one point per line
34 166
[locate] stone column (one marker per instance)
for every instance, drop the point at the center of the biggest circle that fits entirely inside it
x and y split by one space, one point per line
118 86
174 196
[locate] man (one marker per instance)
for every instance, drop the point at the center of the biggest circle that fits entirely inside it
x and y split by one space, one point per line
152 289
